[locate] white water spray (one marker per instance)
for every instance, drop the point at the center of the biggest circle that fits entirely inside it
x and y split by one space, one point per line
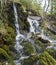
34 24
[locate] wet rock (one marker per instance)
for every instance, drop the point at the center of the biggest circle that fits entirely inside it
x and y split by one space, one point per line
31 12
29 35
33 54
52 29
43 41
35 18
31 60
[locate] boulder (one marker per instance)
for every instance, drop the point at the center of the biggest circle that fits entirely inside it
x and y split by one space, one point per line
29 35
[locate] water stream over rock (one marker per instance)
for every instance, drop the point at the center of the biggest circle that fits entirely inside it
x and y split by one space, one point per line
34 27
18 47
53 42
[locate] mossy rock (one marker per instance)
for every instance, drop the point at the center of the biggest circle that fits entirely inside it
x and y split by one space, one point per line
52 52
27 26
46 59
39 43
4 54
3 63
42 43
5 47
9 37
21 24
9 14
28 48
11 63
1 40
31 60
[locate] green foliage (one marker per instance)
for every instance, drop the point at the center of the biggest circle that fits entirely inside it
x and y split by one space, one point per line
46 59
11 63
2 27
39 43
52 13
52 52
21 24
29 4
48 32
8 32
31 60
27 25
4 56
28 48
5 47
3 53
7 37
10 35
39 46
24 25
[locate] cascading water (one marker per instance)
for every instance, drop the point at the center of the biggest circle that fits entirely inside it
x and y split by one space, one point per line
17 46
19 36
34 27
53 42
34 24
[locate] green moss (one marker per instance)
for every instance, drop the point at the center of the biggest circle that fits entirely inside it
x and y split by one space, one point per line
46 59
49 33
28 48
27 25
5 47
52 52
2 27
24 25
10 35
4 54
39 43
11 63
31 60
21 24
42 62
22 18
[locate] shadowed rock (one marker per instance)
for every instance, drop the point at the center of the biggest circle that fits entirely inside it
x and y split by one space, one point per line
35 18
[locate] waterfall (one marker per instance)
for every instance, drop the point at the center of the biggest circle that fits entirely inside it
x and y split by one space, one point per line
17 46
34 27
19 36
34 24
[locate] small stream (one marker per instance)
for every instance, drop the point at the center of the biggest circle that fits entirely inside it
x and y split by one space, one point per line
18 47
45 37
